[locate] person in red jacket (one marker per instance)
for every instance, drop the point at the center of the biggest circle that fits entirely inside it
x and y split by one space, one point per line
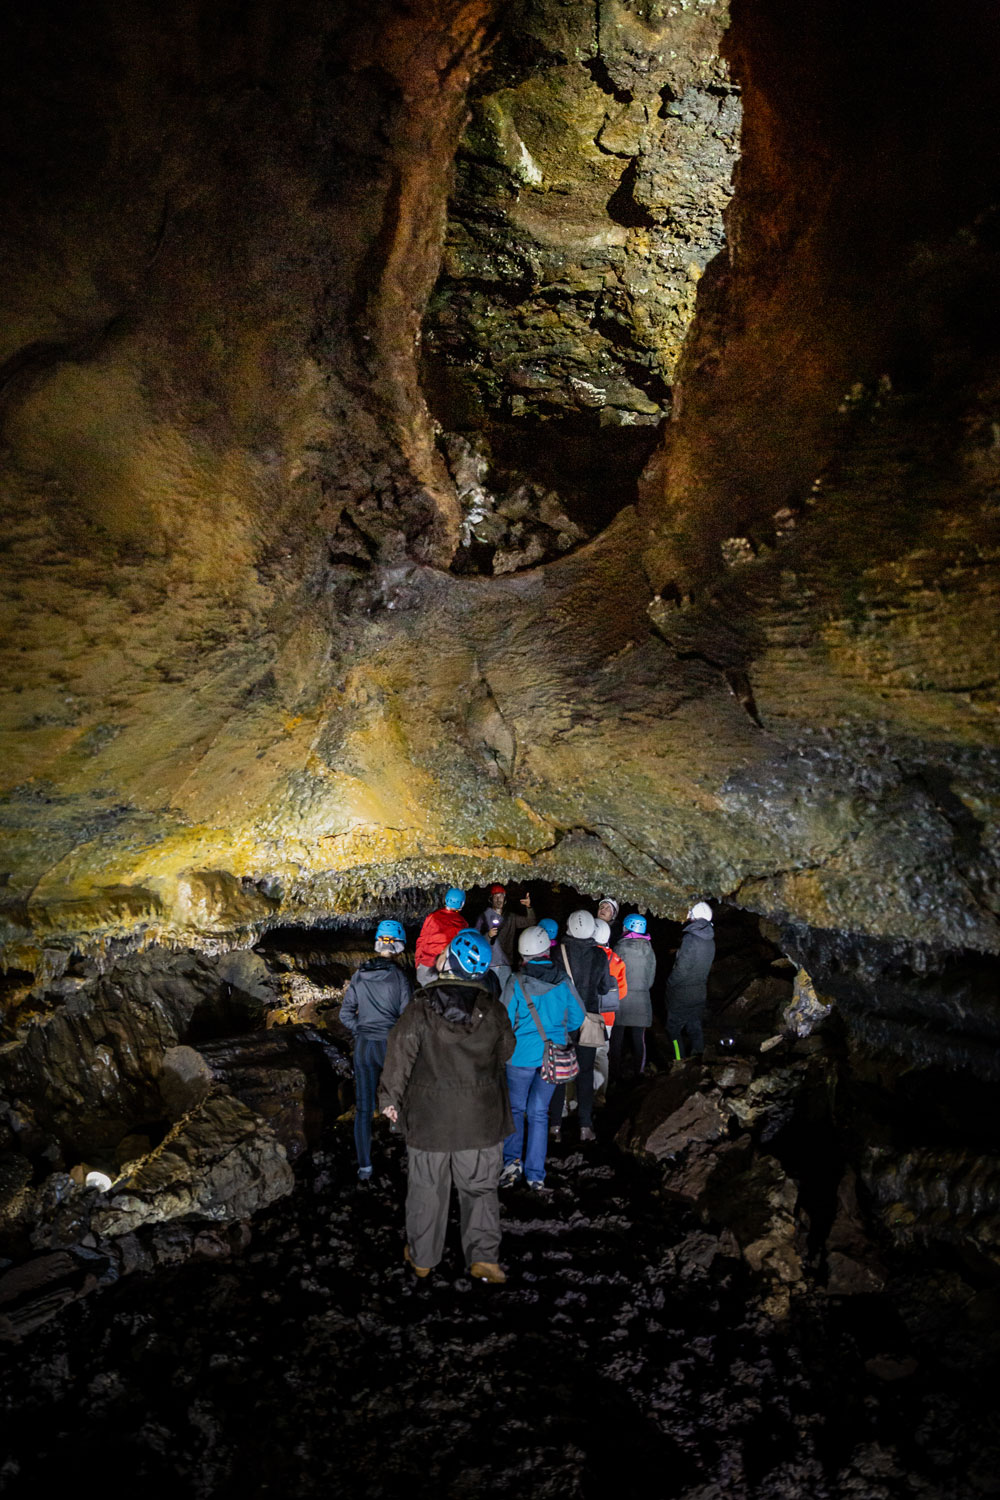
602 1059
437 932
602 936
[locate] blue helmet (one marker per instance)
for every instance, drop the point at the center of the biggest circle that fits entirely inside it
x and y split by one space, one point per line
392 931
470 951
634 923
454 899
551 927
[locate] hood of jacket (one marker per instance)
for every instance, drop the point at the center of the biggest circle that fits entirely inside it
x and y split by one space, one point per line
699 928
546 972
455 999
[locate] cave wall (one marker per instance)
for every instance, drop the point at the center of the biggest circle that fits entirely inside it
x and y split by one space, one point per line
590 187
243 686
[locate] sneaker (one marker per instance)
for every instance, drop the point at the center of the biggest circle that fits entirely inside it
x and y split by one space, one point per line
537 1187
487 1270
586 1134
510 1174
364 1174
419 1270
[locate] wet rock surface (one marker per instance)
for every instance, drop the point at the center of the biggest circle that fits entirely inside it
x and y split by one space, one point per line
631 1340
588 200
589 194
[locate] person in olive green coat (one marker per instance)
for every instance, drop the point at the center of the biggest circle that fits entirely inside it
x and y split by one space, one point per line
445 1084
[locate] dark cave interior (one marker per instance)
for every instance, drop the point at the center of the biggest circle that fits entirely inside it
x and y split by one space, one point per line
557 443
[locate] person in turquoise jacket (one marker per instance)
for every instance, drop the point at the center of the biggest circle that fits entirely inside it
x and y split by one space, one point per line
559 1012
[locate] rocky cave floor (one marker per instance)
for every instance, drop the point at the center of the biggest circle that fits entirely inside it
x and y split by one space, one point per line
629 1354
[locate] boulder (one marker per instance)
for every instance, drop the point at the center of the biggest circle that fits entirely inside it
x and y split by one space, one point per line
281 1074
185 1080
219 1163
759 1206
32 1293
699 1119
853 1264
657 1103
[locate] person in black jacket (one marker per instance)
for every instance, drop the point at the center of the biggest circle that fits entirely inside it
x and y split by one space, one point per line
376 998
687 987
587 966
503 934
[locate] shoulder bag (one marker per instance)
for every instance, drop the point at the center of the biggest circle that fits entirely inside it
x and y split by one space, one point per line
593 1032
559 1063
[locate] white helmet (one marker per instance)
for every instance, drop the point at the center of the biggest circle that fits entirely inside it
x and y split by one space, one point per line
609 901
533 943
700 912
580 924
601 932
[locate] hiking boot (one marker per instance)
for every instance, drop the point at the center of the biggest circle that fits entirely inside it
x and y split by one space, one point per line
487 1270
586 1134
418 1270
364 1174
510 1174
536 1186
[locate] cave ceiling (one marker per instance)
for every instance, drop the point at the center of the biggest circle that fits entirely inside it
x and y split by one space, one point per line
449 441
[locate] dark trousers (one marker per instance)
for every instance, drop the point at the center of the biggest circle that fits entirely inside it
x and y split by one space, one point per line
369 1060
684 1018
626 1041
476 1175
584 1090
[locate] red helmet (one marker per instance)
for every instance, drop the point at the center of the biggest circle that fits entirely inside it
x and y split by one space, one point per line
498 890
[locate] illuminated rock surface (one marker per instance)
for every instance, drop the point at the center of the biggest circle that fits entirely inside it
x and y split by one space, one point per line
558 442
242 683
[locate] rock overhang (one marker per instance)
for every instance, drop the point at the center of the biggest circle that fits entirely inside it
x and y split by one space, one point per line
220 726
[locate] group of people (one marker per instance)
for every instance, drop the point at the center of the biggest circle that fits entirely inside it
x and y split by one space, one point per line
473 1072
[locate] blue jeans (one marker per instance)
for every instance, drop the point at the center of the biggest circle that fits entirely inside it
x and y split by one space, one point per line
369 1059
529 1096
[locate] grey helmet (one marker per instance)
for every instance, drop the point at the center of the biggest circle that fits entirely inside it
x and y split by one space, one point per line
580 924
533 943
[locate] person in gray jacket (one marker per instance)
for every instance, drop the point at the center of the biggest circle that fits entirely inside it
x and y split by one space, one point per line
376 998
687 986
635 1012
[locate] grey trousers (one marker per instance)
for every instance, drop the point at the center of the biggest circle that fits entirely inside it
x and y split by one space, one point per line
476 1175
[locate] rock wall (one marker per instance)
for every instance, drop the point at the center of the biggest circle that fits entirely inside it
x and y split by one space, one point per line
243 684
589 193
